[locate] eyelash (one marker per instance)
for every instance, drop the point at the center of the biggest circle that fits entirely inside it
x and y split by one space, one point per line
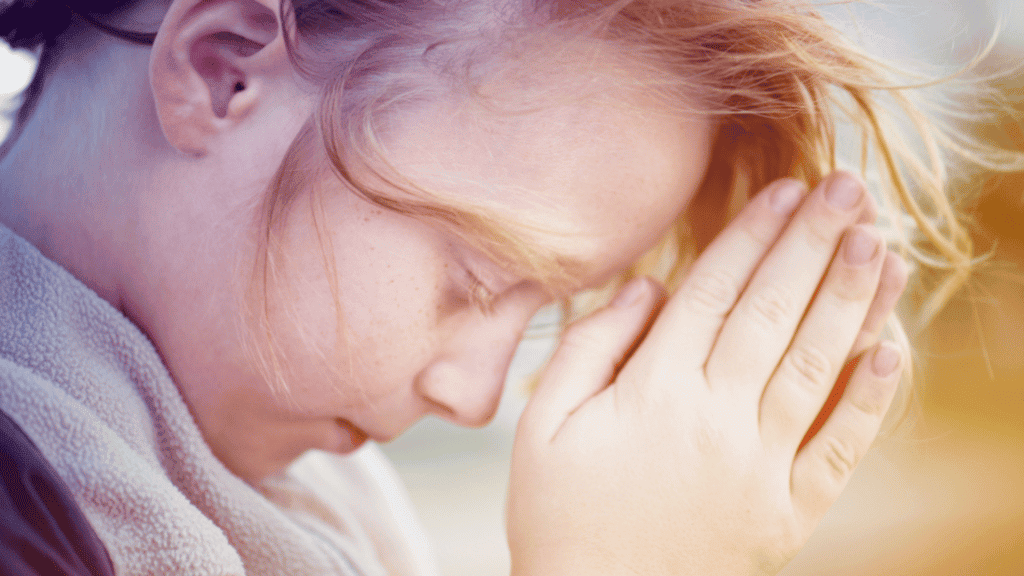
479 295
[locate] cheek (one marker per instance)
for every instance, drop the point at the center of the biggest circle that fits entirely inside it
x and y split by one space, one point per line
390 329
357 318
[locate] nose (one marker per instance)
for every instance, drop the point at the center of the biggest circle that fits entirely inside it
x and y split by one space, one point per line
466 391
463 383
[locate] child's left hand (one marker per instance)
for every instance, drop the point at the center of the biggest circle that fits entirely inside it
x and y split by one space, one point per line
686 457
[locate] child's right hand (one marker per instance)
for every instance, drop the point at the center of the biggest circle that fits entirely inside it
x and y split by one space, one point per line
686 457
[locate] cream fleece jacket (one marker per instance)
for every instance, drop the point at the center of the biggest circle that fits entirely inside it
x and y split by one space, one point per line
89 388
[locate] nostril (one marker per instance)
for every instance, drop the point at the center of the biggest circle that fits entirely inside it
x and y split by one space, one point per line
441 410
457 395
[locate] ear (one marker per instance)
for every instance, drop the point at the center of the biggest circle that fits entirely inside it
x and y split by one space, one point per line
212 63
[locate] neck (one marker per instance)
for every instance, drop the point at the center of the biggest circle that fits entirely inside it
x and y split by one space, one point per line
68 179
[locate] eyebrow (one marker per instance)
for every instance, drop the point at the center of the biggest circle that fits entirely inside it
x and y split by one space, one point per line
560 272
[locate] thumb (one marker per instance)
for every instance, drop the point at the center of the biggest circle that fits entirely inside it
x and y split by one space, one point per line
590 353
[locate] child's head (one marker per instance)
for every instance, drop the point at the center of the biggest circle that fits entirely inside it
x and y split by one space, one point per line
384 193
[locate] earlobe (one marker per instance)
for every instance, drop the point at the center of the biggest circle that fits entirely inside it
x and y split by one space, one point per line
210 64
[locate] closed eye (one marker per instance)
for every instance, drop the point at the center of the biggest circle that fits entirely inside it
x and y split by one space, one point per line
465 290
479 295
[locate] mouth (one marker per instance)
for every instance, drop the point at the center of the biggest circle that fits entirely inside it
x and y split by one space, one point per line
349 437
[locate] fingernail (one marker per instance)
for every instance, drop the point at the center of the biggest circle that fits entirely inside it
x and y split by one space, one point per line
843 192
785 198
886 359
861 246
631 293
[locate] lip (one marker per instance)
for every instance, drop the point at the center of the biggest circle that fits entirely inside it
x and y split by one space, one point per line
349 437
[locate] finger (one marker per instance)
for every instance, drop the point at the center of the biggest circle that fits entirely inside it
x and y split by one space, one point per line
824 465
590 353
890 286
833 399
809 368
762 324
687 327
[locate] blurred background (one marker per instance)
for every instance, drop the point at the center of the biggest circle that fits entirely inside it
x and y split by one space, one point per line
945 496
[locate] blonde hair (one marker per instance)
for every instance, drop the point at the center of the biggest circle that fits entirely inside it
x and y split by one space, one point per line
778 76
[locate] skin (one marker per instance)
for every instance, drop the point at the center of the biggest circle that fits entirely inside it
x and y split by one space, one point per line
157 214
730 375
414 342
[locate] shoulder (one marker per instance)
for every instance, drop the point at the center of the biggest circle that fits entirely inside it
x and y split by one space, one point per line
42 529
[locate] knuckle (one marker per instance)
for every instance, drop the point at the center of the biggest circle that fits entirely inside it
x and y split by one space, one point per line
787 537
854 284
839 458
583 336
872 401
809 367
772 306
756 230
822 231
714 292
708 440
854 291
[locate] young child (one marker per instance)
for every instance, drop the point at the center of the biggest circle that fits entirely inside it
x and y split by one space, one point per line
236 249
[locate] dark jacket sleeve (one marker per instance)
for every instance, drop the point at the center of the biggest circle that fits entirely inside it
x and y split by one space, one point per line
43 532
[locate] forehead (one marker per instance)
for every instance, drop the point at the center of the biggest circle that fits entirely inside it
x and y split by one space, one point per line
596 178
